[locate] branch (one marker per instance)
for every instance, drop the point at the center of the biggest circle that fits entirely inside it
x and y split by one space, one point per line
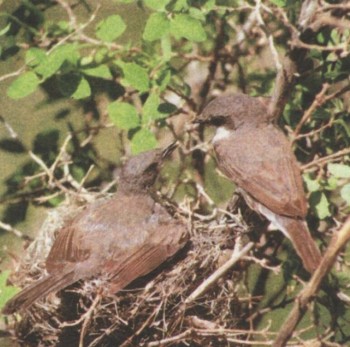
328 158
284 82
293 61
338 241
236 256
15 231
308 113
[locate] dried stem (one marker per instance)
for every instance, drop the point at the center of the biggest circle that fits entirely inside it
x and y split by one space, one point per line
237 254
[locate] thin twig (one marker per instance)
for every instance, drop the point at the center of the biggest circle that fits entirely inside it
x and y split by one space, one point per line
87 318
12 74
324 160
15 231
236 256
70 13
229 334
308 113
341 47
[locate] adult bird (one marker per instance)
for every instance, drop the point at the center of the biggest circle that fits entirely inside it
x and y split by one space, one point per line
255 154
124 237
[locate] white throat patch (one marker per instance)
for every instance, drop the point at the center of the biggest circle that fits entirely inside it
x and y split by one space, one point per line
221 134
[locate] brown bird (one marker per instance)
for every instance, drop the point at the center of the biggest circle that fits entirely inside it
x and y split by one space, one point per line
124 237
255 154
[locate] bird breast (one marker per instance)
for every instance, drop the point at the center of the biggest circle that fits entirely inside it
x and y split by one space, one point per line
221 134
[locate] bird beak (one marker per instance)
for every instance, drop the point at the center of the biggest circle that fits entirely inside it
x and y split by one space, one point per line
170 149
200 119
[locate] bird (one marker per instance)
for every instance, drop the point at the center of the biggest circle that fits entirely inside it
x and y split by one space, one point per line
254 153
123 238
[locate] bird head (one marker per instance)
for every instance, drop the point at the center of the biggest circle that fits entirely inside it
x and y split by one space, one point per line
233 111
140 172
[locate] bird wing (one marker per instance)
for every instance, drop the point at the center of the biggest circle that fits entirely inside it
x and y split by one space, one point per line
261 162
165 237
66 251
140 262
125 239
91 233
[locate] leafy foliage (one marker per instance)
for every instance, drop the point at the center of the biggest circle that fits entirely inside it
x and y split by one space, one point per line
110 28
24 85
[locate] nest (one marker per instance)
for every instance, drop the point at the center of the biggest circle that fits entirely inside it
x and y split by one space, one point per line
178 304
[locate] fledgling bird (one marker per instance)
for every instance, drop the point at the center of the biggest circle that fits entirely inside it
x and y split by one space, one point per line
124 237
255 154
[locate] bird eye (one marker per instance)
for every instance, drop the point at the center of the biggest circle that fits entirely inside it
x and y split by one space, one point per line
218 120
152 167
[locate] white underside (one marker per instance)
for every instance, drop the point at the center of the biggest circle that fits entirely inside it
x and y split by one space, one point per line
221 134
273 218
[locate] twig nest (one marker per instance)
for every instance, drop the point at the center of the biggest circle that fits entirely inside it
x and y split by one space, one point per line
151 310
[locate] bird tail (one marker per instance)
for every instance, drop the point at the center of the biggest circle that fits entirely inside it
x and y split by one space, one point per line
39 289
298 232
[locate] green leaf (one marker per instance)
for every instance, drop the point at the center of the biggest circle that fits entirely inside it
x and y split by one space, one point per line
110 28
5 29
143 140
83 90
319 202
187 27
311 184
196 13
101 55
86 61
279 3
157 26
180 5
68 83
55 201
35 56
153 109
24 85
77 172
209 5
345 193
166 48
164 79
135 76
339 170
54 61
101 71
150 109
123 115
64 25
331 183
167 108
156 4
344 124
58 29
6 292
